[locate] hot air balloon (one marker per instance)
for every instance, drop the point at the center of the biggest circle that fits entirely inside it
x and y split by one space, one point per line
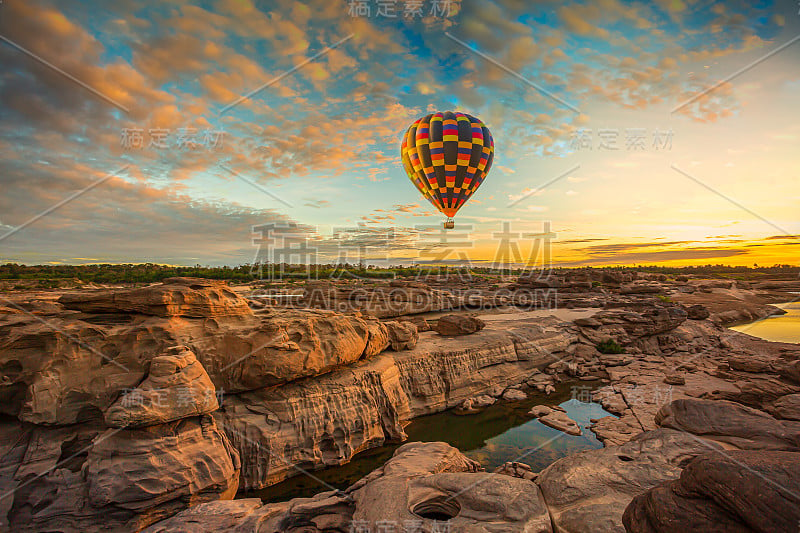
447 156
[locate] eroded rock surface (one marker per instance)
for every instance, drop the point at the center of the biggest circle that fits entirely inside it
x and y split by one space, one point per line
313 387
421 484
458 325
176 387
589 491
73 366
88 479
731 491
730 422
186 297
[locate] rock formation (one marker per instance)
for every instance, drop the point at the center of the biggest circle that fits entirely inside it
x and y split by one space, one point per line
458 325
176 387
424 483
589 491
732 491
113 418
88 479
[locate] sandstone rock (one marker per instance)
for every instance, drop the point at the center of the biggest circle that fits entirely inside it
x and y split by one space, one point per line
674 379
317 422
752 362
73 368
515 469
188 297
589 491
613 431
514 395
176 387
726 305
641 287
421 481
724 491
420 322
458 325
543 282
611 400
588 322
402 335
478 502
287 345
475 405
787 407
648 321
327 419
698 312
378 338
495 391
540 382
617 278
540 410
227 515
560 421
729 422
120 479
483 400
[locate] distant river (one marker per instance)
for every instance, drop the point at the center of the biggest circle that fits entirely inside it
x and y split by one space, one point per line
783 328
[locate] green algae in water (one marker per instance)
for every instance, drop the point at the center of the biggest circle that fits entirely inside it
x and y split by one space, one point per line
500 433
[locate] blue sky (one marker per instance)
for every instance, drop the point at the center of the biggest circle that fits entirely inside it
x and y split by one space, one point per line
319 147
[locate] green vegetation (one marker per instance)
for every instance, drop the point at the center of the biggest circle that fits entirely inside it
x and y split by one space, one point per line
150 272
609 346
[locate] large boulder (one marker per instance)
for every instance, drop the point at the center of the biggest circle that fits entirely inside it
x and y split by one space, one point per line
402 335
731 491
287 345
626 325
729 422
787 407
561 421
378 338
698 312
589 491
454 325
85 479
188 297
176 387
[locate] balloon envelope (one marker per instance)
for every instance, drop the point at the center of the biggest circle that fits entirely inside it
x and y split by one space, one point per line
447 156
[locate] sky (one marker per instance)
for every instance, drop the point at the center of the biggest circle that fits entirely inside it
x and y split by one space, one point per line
230 131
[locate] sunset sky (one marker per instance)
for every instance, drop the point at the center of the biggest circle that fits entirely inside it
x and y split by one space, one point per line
311 133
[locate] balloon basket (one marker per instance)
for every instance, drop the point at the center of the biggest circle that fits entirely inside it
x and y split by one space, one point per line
449 223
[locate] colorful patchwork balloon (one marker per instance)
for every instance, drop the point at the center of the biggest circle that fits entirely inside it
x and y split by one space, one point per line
447 156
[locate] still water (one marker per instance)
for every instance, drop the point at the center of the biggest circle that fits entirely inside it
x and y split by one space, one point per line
782 328
502 432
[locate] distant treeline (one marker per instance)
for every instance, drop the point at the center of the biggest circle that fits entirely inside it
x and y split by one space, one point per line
149 272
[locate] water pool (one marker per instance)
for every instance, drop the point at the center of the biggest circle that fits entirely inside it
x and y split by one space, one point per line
502 432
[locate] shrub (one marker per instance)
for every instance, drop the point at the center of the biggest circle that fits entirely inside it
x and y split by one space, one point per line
609 346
